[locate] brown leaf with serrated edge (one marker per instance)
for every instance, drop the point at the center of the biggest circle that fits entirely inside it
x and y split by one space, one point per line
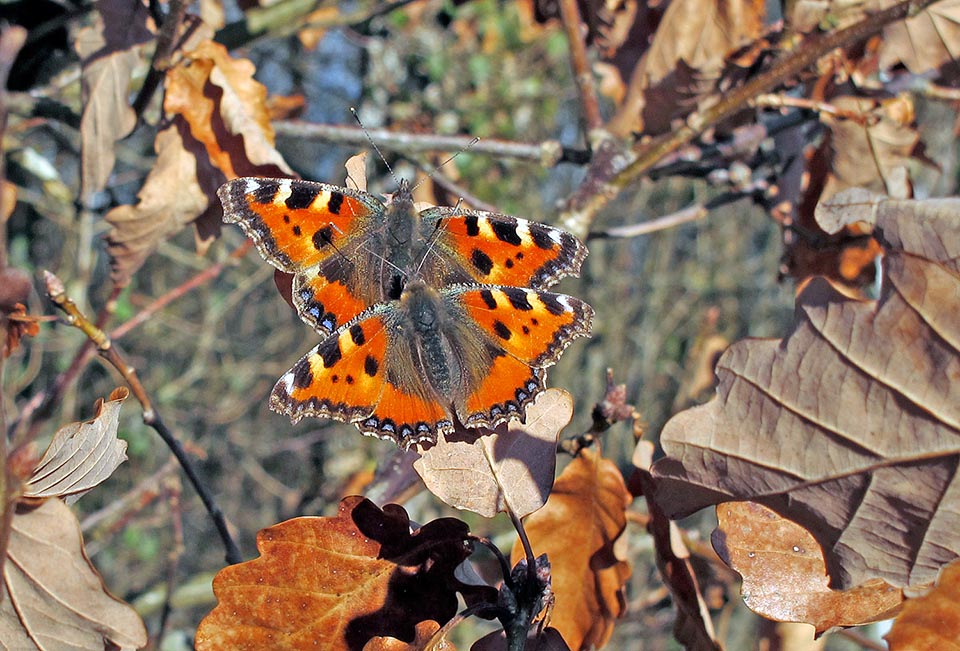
226 110
171 197
512 467
931 622
109 50
580 530
336 583
784 574
52 596
850 425
926 41
81 455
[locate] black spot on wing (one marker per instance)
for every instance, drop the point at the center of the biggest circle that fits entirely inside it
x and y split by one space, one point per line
336 201
541 236
356 333
487 297
553 305
322 237
371 365
502 330
302 375
506 231
481 261
517 298
473 225
301 196
266 190
297 231
330 351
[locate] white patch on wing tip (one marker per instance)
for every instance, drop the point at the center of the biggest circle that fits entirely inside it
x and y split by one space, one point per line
251 186
284 189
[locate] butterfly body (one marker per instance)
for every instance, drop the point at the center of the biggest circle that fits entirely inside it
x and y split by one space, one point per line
428 318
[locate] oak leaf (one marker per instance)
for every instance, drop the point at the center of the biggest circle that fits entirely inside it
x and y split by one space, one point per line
109 50
339 582
81 455
510 468
850 425
52 597
931 622
784 575
580 530
925 42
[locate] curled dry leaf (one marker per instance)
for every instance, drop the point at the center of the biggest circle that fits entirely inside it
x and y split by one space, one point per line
926 41
784 575
850 425
511 468
931 622
52 596
81 455
337 583
580 530
109 50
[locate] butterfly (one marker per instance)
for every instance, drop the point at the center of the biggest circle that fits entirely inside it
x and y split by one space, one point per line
429 318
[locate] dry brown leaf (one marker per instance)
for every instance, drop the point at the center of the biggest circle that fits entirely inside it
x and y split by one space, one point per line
866 154
52 597
784 575
226 110
926 41
336 583
421 642
109 51
580 530
170 198
806 15
81 455
511 468
685 59
850 425
931 622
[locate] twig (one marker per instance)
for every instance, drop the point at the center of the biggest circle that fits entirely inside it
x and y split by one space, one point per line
591 197
689 214
861 639
106 349
166 44
548 153
779 100
174 558
582 72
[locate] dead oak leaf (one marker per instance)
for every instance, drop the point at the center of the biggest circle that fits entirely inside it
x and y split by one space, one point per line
52 596
931 622
784 575
849 426
579 529
177 191
928 41
337 583
510 468
109 50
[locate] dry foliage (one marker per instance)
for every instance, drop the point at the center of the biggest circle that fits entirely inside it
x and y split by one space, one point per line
843 434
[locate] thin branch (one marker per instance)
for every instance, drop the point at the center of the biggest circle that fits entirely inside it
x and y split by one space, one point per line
591 197
547 153
689 214
166 44
582 71
106 349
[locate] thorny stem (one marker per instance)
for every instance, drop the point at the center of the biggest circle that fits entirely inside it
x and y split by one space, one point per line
586 202
151 417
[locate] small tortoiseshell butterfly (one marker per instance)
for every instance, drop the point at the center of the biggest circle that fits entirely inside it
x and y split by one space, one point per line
429 318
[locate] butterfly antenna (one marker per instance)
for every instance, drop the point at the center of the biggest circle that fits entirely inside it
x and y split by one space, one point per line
452 156
356 116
